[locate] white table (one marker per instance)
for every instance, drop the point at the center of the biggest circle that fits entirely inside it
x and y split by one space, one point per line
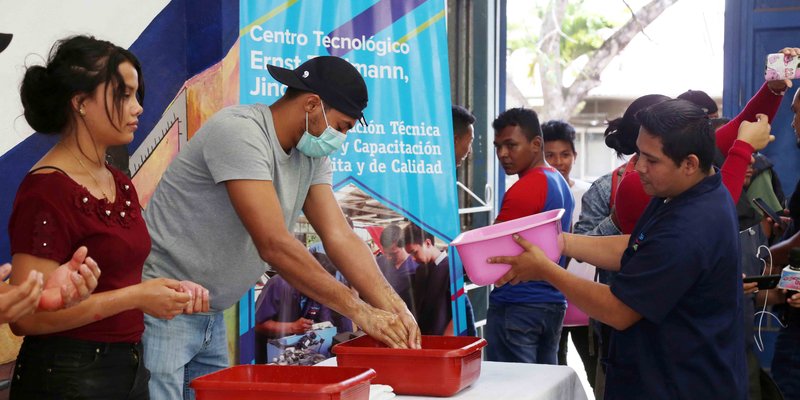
516 381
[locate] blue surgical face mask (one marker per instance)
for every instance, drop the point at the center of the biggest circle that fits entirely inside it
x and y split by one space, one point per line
320 146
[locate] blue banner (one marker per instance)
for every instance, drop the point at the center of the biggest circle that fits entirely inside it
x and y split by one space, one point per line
404 157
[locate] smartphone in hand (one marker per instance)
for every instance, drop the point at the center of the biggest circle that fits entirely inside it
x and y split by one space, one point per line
764 281
780 66
762 205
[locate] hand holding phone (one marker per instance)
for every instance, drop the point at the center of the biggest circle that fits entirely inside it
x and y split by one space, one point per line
762 205
782 66
764 281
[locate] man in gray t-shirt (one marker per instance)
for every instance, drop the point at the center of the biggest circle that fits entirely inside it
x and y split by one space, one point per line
226 207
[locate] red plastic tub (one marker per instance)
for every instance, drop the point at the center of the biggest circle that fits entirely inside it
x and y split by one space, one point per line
260 382
444 366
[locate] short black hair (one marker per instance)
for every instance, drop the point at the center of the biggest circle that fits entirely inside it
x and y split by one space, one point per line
557 129
413 234
462 118
525 118
392 235
683 128
700 99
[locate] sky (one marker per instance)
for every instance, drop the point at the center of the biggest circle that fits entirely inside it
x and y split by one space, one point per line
682 50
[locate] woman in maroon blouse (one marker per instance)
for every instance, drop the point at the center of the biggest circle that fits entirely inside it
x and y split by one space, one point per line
89 93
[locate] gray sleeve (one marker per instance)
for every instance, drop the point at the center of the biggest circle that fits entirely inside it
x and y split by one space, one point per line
606 227
323 174
235 147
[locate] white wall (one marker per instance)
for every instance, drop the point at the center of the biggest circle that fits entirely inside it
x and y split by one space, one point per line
37 24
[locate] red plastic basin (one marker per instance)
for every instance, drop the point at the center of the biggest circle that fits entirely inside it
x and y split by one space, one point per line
259 382
444 366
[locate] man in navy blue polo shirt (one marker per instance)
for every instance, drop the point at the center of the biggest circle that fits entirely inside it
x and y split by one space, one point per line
675 305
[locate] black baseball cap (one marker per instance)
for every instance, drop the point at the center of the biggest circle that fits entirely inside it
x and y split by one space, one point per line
333 79
700 99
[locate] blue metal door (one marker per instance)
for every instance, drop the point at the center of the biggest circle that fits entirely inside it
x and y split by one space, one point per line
753 29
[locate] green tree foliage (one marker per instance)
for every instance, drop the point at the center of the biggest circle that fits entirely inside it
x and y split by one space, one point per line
557 33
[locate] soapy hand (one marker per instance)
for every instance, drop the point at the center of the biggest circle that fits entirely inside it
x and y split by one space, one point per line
199 297
162 298
382 325
70 283
20 300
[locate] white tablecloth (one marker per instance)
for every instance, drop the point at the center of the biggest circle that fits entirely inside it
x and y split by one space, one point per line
516 381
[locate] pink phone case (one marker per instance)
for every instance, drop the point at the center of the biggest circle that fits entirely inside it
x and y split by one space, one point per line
780 66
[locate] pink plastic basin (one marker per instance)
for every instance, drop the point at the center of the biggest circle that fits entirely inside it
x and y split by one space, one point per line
477 245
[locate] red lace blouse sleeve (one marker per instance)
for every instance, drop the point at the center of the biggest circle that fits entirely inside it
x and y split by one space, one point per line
38 227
